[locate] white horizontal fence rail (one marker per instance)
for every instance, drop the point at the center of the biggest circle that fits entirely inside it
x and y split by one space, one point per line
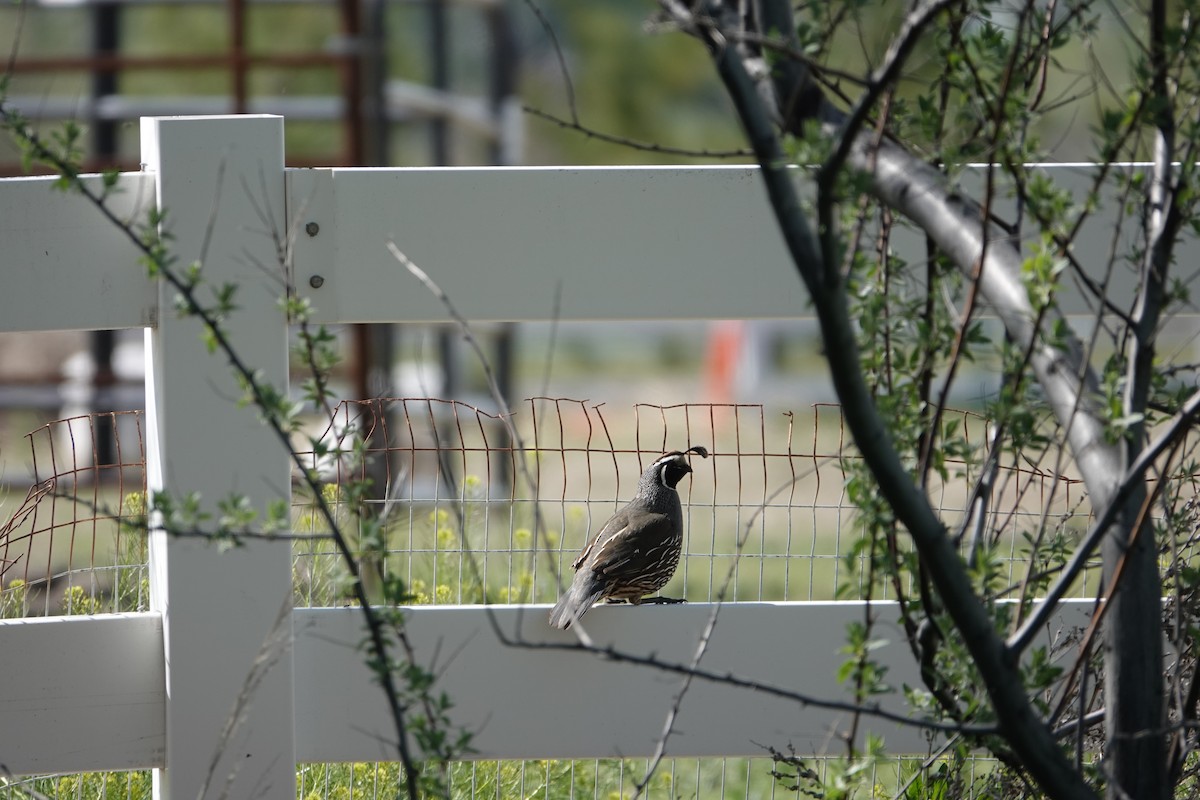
156 689
106 711
67 266
618 244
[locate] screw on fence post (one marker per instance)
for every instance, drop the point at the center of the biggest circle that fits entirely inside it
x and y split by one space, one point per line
226 615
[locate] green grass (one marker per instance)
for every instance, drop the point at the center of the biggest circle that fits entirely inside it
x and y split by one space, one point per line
550 779
870 778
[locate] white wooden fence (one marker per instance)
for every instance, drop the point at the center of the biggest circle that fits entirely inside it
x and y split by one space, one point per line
222 641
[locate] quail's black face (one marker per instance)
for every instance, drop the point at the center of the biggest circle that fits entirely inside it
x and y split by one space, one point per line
672 470
674 465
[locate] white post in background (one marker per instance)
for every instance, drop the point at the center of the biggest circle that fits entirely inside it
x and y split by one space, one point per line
226 615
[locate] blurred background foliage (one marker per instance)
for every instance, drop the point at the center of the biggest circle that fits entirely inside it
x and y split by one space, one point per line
630 77
646 87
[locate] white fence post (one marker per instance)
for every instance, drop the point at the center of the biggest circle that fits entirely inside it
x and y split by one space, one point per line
226 615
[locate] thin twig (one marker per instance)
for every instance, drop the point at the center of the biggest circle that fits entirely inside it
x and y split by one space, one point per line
568 84
1134 475
497 396
611 653
649 147
882 79
660 746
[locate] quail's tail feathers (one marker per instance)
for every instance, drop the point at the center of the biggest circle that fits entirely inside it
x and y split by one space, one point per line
574 604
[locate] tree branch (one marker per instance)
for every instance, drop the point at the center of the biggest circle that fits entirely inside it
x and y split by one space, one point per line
949 221
1135 475
881 80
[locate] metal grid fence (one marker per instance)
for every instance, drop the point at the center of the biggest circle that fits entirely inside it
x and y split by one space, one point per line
472 516
75 544
767 514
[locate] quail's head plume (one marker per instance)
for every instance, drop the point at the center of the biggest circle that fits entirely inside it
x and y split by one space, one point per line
636 552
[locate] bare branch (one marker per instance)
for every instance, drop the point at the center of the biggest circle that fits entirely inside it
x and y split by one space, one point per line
729 679
650 147
660 746
568 84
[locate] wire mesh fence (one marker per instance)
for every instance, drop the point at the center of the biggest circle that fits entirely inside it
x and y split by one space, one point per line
76 543
479 508
471 516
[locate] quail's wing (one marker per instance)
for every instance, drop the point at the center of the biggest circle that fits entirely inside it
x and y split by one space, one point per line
630 550
617 523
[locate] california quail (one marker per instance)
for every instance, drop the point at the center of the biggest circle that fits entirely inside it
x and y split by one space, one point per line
637 550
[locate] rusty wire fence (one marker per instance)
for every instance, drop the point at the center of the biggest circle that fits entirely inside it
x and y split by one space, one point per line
474 515
75 544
